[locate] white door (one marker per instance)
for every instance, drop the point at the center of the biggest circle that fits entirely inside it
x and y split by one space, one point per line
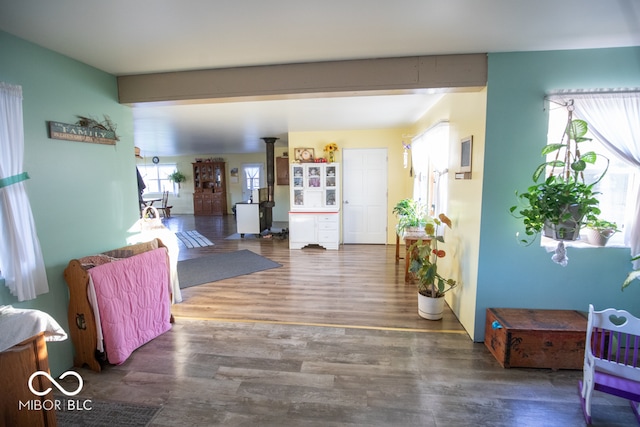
364 201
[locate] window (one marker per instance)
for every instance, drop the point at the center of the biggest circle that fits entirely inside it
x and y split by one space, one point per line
253 176
430 158
616 199
156 177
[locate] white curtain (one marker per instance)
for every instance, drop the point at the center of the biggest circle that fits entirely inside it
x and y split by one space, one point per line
420 164
614 118
430 157
21 262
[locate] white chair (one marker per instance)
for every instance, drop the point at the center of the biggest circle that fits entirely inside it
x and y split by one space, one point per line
612 358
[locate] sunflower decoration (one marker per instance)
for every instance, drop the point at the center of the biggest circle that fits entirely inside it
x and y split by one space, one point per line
330 149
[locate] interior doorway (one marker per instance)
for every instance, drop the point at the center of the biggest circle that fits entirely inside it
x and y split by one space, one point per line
253 177
364 202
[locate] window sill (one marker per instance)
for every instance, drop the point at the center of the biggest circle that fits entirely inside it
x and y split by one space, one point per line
550 244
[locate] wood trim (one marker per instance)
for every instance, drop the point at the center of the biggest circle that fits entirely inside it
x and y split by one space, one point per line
373 76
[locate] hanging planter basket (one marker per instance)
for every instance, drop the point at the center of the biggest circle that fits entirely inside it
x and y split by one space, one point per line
567 230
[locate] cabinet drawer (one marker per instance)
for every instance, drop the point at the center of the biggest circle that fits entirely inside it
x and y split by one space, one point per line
328 218
327 236
327 225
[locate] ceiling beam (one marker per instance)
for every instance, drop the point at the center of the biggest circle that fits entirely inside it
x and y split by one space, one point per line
339 78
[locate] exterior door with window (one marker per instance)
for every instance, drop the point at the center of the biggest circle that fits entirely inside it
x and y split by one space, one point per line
252 179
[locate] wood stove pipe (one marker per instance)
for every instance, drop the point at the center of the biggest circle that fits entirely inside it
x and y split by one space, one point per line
270 141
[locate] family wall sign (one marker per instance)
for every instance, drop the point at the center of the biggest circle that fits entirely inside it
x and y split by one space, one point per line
86 130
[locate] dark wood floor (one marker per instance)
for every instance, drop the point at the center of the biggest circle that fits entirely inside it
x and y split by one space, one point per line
359 285
331 338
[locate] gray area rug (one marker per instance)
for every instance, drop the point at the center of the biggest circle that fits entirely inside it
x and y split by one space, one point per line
193 239
211 268
107 414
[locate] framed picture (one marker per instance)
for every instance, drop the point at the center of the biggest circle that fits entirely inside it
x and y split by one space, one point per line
304 155
466 148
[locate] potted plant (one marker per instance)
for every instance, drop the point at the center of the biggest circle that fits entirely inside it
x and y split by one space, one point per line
412 217
431 285
558 205
598 231
177 177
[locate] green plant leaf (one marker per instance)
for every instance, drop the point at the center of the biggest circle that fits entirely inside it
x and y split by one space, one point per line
555 163
550 148
578 165
589 157
630 278
577 129
539 171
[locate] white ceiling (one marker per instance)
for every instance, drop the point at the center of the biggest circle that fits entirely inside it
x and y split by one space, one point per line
125 37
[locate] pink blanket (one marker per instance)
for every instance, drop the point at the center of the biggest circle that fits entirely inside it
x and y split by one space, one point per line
133 299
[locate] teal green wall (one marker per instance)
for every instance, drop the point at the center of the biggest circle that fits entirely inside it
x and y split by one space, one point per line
83 195
511 275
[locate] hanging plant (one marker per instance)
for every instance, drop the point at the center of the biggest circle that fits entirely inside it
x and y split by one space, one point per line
177 177
559 203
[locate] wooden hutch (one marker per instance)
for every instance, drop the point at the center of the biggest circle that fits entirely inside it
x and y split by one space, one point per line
210 188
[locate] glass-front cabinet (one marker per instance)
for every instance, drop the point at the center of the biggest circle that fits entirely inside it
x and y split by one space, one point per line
315 205
314 186
210 192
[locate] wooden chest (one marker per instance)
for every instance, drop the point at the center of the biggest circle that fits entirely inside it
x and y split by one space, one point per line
526 338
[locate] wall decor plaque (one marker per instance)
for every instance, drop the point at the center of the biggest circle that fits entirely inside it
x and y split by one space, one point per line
78 133
304 155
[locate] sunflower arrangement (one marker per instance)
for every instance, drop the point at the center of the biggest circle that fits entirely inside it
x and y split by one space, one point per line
330 149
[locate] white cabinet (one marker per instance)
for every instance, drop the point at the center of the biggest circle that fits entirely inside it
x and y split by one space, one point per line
315 186
306 228
248 218
315 205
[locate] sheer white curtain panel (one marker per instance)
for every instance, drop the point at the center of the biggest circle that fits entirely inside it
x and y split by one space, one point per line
614 118
21 262
439 146
430 157
420 164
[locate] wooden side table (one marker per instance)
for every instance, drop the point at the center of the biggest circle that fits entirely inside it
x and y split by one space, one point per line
17 364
